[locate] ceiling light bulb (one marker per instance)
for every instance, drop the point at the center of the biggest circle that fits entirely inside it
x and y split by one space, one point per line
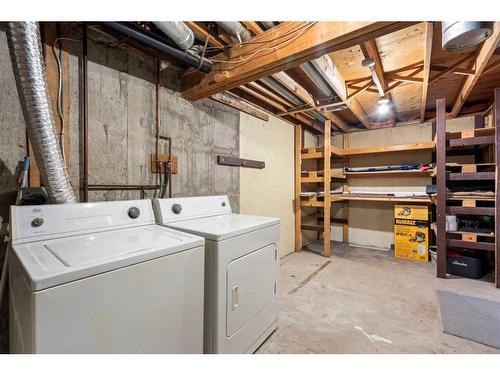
383 108
383 100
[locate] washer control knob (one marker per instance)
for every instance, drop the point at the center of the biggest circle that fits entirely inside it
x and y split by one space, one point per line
223 204
134 212
37 222
176 208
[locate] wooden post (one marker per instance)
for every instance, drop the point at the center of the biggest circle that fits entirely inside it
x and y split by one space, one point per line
298 187
345 205
326 188
441 186
496 119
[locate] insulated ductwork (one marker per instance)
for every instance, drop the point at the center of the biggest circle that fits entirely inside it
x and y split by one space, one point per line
236 30
178 32
459 35
27 62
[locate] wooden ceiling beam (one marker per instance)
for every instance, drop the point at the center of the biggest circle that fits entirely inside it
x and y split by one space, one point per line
481 61
253 27
370 51
234 102
292 86
429 32
283 47
325 66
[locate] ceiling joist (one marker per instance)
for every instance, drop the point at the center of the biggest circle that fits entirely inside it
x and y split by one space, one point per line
283 47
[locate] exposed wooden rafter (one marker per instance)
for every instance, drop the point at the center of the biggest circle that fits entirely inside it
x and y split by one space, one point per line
238 104
429 31
370 50
325 66
253 27
283 47
481 61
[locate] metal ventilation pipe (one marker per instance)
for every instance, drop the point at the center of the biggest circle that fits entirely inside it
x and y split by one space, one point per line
267 24
180 34
280 90
236 30
314 76
459 35
27 61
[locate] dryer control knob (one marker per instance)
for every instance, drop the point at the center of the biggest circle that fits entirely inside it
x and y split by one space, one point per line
176 208
134 212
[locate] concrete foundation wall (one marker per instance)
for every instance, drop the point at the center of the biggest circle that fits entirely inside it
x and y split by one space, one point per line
122 130
269 191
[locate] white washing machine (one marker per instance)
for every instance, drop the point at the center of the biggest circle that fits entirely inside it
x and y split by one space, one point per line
103 278
241 269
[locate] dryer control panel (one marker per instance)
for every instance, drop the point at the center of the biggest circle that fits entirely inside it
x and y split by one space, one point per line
178 209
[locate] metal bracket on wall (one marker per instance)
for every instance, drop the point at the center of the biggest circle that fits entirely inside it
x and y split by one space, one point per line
238 162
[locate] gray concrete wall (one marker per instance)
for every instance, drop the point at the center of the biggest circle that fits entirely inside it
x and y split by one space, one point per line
122 130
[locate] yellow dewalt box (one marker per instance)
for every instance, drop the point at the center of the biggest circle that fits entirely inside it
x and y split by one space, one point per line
411 232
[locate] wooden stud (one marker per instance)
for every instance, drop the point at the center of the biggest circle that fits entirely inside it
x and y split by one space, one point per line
481 60
298 186
429 31
326 188
441 186
497 186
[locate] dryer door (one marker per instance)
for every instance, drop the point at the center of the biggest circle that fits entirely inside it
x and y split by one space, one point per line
251 286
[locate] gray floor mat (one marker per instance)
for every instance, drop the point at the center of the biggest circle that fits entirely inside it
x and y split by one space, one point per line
472 318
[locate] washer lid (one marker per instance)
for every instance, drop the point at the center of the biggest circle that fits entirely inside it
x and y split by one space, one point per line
224 226
59 261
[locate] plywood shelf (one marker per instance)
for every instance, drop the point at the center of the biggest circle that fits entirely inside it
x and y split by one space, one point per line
394 173
407 147
380 198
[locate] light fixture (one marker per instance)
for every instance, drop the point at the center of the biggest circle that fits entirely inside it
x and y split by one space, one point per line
368 63
383 106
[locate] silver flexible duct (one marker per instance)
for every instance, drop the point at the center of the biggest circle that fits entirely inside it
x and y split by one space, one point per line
236 30
27 62
180 34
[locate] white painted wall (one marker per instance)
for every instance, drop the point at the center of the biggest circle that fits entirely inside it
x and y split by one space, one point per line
269 191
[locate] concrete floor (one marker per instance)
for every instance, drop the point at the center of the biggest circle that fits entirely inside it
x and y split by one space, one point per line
366 301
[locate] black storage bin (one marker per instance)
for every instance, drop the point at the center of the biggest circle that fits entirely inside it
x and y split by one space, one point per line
468 266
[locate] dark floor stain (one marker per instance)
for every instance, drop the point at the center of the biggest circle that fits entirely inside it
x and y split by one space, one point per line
309 278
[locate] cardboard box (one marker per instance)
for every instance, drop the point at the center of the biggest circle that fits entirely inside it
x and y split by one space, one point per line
411 232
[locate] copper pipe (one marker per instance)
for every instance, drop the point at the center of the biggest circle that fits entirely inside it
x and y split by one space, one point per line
85 115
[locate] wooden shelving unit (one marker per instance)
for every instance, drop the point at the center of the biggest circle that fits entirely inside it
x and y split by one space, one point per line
463 203
324 179
328 175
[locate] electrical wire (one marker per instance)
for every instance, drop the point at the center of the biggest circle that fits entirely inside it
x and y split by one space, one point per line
249 42
60 94
270 49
